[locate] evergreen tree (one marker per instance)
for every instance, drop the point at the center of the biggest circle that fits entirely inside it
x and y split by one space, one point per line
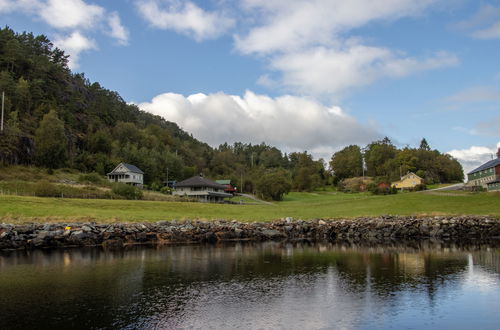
424 145
50 142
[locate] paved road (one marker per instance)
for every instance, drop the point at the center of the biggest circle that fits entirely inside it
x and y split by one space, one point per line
256 199
457 186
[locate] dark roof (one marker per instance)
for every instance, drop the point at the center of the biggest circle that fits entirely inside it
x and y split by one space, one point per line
490 164
199 181
131 168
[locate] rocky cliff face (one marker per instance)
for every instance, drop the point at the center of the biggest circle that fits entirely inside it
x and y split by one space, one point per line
117 235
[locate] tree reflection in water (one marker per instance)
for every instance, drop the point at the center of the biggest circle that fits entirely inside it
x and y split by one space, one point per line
269 285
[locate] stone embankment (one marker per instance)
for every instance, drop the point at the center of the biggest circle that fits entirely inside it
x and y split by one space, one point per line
117 235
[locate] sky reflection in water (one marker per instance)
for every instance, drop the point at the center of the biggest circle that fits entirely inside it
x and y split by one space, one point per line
252 286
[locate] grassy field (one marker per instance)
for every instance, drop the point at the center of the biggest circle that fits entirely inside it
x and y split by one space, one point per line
297 205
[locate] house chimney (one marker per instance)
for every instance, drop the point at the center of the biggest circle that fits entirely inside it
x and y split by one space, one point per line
498 153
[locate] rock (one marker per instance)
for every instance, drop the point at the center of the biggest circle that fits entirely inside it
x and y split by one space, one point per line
86 228
321 222
79 234
272 233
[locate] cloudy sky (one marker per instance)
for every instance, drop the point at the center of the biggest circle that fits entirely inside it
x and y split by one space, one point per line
312 75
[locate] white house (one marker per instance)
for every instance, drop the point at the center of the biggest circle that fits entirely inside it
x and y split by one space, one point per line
201 188
126 173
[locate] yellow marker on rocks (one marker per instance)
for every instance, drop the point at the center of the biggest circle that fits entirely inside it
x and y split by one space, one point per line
67 228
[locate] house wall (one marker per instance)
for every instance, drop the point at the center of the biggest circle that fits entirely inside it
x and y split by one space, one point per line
482 178
201 193
133 178
494 186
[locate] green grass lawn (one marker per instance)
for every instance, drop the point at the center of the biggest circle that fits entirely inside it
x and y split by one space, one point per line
297 205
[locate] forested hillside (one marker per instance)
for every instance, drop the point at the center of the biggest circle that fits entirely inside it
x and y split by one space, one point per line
56 118
98 128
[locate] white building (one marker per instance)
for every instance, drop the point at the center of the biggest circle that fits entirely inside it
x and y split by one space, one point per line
126 173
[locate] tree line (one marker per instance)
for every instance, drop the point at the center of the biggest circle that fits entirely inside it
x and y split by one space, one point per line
385 161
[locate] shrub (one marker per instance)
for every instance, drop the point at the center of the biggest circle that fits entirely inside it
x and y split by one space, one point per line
166 190
156 186
354 185
384 190
90 178
420 187
46 189
127 191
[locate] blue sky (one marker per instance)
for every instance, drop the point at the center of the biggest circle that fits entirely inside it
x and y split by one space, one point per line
311 75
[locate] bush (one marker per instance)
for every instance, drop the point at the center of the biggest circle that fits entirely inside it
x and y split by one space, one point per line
166 190
384 190
156 186
46 189
420 187
90 178
127 191
354 185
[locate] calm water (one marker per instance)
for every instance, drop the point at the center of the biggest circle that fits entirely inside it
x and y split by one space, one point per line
253 286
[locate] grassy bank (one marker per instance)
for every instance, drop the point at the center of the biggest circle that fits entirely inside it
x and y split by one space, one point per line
297 205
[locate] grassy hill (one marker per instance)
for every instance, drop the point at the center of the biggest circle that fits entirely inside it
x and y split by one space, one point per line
298 205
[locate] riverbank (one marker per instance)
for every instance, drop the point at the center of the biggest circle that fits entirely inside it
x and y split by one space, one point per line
118 235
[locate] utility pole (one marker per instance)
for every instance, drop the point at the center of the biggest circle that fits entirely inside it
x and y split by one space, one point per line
167 176
363 165
3 102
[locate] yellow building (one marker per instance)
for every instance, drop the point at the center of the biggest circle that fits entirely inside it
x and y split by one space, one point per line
410 180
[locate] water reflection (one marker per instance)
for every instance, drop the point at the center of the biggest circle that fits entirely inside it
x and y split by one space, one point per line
270 285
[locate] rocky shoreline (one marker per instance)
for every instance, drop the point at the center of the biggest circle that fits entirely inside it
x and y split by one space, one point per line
118 235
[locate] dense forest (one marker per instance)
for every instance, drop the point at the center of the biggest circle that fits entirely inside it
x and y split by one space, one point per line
55 118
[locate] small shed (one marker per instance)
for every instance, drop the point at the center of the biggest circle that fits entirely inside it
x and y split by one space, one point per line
230 189
127 173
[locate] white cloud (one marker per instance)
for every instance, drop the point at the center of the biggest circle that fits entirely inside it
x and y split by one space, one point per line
309 49
325 70
70 14
290 25
492 32
29 6
288 122
184 17
476 94
118 31
70 17
484 24
474 156
74 45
